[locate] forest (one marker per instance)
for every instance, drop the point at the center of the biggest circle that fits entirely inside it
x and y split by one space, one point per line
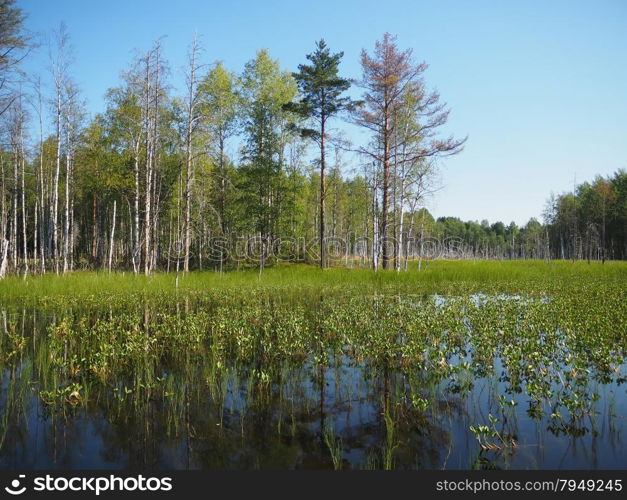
250 167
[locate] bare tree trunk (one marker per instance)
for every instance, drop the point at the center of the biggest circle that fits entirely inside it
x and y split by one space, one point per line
152 145
135 253
14 244
24 239
155 155
5 258
94 233
323 194
155 218
375 227
386 190
149 152
36 236
398 231
71 235
112 237
55 193
178 230
603 231
400 235
147 228
189 185
422 234
3 224
68 181
42 203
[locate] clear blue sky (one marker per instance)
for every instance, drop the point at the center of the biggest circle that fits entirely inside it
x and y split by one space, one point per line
540 87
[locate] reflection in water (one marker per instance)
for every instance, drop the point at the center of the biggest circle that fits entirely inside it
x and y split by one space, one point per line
384 384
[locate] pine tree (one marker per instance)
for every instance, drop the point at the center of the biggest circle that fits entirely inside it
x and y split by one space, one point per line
321 88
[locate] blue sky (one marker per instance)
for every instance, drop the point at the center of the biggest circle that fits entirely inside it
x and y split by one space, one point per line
539 87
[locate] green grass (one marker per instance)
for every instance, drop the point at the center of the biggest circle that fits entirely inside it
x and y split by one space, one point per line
444 277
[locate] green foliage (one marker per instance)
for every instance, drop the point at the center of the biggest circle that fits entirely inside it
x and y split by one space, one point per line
320 89
590 222
265 89
13 42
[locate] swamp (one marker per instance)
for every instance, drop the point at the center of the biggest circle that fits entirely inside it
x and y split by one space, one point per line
462 365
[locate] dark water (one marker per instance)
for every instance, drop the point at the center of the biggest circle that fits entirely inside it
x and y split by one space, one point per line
241 418
286 430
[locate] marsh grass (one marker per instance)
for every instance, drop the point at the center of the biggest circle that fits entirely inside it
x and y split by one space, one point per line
225 361
441 276
334 444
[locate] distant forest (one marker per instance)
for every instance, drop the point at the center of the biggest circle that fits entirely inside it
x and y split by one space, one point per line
589 222
167 180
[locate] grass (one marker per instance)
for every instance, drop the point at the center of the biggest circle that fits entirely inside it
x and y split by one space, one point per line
443 277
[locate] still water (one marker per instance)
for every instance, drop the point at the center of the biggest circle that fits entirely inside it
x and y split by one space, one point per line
183 411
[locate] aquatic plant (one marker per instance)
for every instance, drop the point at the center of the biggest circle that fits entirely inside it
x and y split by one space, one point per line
222 373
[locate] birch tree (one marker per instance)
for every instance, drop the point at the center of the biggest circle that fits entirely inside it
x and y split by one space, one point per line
220 107
126 126
192 119
74 115
59 52
266 90
153 93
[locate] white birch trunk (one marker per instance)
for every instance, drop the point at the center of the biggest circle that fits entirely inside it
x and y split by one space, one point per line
112 235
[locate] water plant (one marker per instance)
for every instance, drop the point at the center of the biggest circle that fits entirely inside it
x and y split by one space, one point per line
334 444
238 380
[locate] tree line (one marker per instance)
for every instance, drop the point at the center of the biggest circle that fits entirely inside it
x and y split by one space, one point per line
590 222
171 180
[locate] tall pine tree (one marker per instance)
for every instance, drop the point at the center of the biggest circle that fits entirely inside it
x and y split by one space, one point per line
321 88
